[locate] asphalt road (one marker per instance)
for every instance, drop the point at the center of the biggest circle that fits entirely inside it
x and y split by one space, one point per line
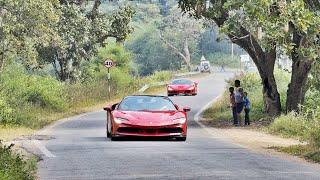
80 150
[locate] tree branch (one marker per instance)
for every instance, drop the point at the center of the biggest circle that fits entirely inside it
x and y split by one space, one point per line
176 50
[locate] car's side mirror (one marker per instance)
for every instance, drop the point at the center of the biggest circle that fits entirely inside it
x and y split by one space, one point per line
186 109
196 83
110 107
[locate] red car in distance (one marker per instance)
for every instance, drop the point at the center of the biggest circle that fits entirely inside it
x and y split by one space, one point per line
142 115
182 87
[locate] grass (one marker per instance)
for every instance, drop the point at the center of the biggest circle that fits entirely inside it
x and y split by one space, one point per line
219 114
304 126
8 133
81 99
16 166
307 152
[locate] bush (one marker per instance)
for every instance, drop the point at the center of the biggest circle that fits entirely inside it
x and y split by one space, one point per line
218 59
13 166
21 94
251 82
160 76
303 126
314 136
24 89
290 125
6 112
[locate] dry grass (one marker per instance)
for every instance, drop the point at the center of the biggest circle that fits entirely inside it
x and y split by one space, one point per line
8 133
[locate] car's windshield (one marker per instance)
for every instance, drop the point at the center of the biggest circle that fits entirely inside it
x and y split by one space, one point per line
146 103
181 81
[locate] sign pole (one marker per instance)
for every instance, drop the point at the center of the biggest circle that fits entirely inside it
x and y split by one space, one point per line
108 64
109 86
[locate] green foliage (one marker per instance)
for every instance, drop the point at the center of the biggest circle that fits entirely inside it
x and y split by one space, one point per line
212 42
306 151
305 126
218 59
150 53
24 25
13 166
158 76
120 20
21 91
290 125
6 112
251 83
117 53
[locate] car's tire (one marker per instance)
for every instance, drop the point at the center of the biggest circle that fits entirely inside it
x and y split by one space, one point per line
113 138
109 126
181 138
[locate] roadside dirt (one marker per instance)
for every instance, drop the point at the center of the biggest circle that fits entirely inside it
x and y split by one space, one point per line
258 141
255 139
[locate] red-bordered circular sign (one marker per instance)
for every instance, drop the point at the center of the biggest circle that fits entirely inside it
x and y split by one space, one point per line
108 63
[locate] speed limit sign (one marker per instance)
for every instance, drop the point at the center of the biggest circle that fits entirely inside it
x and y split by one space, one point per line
108 63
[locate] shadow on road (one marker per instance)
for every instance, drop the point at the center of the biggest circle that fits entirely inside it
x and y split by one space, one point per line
146 139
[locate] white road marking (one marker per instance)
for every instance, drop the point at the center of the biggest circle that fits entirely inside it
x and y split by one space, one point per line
43 149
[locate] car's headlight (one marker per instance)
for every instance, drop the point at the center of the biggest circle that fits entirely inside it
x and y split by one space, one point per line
120 120
180 120
191 88
170 88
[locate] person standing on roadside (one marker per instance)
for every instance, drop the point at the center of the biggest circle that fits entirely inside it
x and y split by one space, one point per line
233 106
238 99
246 109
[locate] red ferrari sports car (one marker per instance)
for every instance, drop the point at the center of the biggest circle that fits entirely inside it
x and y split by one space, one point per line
143 115
182 86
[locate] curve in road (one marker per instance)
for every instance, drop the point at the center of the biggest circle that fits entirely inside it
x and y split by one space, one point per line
81 151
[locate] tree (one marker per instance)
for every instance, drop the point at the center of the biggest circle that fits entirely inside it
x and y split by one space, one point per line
181 29
23 26
120 28
71 46
150 53
254 26
79 35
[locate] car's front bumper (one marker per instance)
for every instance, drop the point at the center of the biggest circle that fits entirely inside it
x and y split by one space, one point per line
179 130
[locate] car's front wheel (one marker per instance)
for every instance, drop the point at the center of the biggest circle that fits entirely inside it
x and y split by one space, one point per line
109 125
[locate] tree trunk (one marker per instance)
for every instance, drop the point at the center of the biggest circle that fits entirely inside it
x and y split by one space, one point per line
271 96
265 61
295 93
187 54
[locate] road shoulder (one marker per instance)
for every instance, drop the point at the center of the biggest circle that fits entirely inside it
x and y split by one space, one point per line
253 140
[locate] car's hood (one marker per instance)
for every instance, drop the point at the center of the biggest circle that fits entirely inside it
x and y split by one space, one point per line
181 86
149 118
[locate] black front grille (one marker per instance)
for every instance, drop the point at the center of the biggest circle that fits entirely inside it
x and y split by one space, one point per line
129 130
149 131
170 130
